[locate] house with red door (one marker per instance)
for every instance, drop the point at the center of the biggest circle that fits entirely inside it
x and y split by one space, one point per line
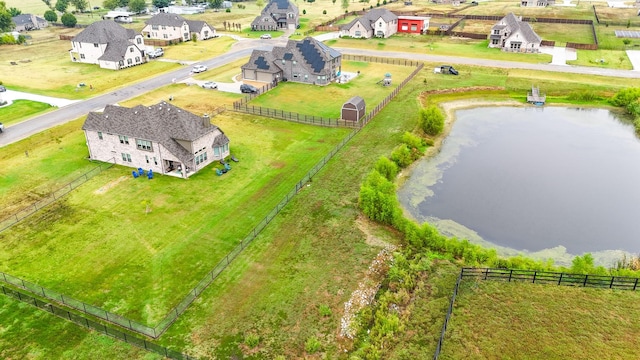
413 24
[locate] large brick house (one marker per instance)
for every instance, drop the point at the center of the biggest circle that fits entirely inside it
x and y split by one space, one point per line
109 45
512 34
163 138
173 27
305 61
277 15
376 22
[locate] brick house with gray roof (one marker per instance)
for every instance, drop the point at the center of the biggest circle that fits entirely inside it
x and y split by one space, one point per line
162 137
513 34
277 15
376 22
109 45
175 28
306 61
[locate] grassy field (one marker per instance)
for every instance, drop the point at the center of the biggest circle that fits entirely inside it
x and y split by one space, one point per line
494 320
133 270
22 109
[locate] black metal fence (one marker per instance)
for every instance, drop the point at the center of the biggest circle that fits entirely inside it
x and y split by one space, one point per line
381 60
89 324
53 196
534 276
293 116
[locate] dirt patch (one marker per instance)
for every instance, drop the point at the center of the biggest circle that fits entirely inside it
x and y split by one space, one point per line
109 185
278 164
372 240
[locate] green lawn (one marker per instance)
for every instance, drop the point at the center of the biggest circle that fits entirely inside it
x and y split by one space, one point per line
22 109
497 320
326 101
100 246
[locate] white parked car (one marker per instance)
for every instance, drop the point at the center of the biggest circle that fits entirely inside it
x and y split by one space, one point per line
209 85
199 68
157 52
265 36
1 127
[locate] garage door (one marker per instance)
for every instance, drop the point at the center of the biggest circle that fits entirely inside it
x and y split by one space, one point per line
264 77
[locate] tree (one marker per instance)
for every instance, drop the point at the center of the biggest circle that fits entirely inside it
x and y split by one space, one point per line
14 12
345 5
6 23
68 20
123 3
50 16
304 12
160 3
432 120
61 5
216 4
333 1
378 198
260 3
137 6
80 5
110 4
626 42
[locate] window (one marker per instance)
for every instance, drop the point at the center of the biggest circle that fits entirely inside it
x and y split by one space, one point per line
95 45
155 161
126 157
139 41
358 34
515 45
100 135
494 41
155 27
201 158
81 56
137 59
186 35
165 36
164 27
496 32
216 151
123 139
144 145
121 63
146 157
283 61
404 27
225 147
129 61
414 27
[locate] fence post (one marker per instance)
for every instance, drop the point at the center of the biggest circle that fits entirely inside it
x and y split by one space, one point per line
585 280
560 280
635 284
510 274
611 285
535 273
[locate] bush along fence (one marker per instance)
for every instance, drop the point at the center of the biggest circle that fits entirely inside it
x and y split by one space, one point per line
173 314
534 276
101 328
53 196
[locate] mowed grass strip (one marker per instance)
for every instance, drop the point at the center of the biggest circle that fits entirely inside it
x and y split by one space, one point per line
498 320
101 246
22 109
326 101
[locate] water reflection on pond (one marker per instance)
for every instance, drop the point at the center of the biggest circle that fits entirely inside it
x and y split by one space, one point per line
548 182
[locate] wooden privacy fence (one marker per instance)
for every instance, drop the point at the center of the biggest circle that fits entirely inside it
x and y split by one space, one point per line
53 196
534 276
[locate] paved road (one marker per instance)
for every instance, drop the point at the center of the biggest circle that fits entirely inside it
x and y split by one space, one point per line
243 48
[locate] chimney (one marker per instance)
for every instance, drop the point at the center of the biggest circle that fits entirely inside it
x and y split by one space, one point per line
205 121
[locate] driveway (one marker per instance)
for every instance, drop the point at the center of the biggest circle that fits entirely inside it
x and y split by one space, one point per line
233 87
559 54
634 57
11 95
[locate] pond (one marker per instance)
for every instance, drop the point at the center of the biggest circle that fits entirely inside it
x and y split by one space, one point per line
547 182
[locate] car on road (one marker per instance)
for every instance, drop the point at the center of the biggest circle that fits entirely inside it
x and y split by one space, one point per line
249 89
1 128
265 36
155 53
209 85
199 68
2 88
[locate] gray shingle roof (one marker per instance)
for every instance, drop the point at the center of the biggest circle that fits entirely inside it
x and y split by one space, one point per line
513 24
23 19
195 25
162 123
528 33
356 101
166 19
370 17
103 32
116 50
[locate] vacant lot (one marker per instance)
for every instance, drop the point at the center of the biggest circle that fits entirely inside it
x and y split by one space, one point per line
496 320
100 245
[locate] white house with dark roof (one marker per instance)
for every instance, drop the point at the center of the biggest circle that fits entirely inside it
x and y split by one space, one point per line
109 45
306 61
28 22
163 138
537 3
376 22
513 34
277 15
173 27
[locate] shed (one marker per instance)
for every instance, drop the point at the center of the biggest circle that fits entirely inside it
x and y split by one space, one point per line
353 109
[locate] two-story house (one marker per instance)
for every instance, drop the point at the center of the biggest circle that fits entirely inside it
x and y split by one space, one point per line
306 61
376 22
512 34
109 45
277 15
163 138
173 27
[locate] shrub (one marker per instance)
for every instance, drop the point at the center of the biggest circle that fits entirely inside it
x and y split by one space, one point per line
312 345
325 310
584 95
401 155
324 12
432 120
68 20
228 10
378 199
251 340
304 12
386 168
50 16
